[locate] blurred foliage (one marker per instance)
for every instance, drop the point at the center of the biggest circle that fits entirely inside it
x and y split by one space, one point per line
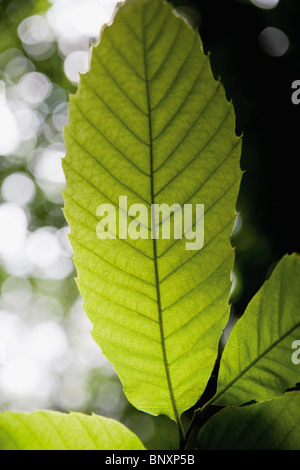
12 13
83 382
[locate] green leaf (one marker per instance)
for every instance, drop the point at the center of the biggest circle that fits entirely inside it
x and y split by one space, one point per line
257 361
273 425
149 122
49 430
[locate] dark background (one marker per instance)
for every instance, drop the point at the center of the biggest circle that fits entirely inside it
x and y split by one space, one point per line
260 88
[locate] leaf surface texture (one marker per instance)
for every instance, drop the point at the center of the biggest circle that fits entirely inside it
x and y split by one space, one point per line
49 430
150 122
257 361
273 425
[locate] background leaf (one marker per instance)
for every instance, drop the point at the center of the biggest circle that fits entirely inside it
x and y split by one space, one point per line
150 122
46 430
273 425
257 361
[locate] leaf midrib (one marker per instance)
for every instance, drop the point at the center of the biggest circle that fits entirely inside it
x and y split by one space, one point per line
155 260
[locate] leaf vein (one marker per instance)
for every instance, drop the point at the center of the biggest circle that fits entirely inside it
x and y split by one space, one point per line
107 140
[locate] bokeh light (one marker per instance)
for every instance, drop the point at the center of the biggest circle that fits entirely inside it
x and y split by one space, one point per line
37 37
76 62
9 131
43 329
71 19
13 223
265 4
34 88
18 188
273 41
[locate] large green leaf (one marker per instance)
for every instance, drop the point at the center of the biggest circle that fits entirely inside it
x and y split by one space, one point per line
273 425
257 361
149 122
49 430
